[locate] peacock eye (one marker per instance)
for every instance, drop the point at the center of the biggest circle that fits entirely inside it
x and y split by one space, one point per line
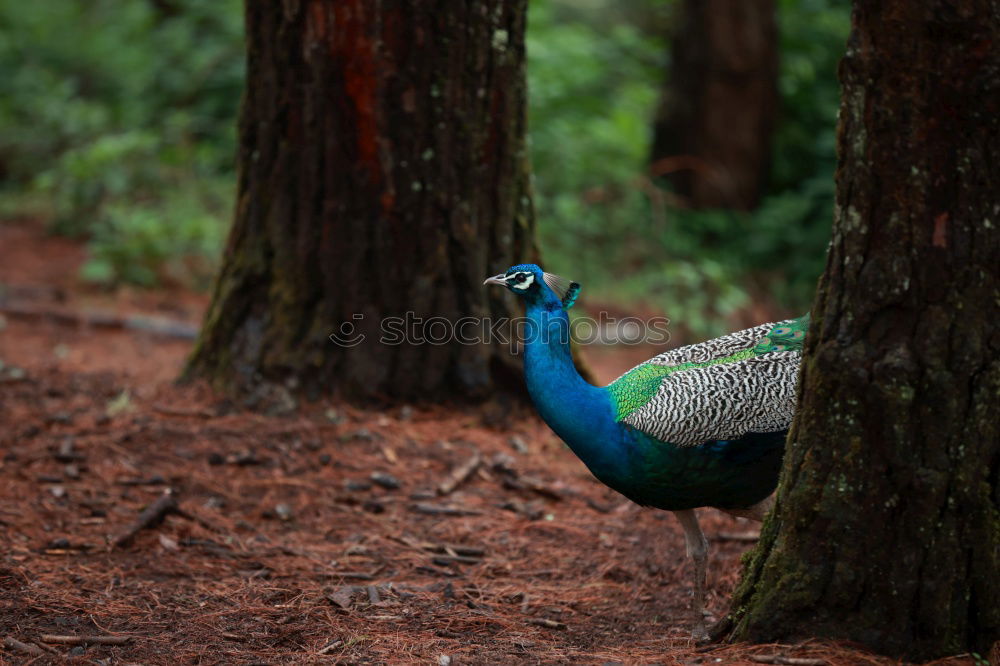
519 278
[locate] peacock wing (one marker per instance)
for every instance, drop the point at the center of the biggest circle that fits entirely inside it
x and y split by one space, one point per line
720 389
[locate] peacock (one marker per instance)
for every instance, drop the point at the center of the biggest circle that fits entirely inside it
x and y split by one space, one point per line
698 426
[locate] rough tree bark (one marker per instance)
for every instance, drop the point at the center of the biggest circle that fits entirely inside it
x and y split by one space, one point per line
713 132
383 170
887 525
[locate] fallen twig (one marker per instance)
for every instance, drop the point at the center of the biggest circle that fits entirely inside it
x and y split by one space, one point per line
709 648
454 549
351 575
174 411
597 506
527 509
342 597
512 480
445 560
85 640
443 510
156 325
27 648
66 452
788 661
749 537
435 571
155 480
460 474
532 484
387 481
545 622
331 646
150 517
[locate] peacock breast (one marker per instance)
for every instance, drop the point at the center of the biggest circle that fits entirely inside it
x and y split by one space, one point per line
733 473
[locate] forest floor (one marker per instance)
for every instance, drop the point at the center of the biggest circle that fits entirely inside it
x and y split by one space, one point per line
321 534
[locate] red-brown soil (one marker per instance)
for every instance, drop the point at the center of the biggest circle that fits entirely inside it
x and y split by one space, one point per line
287 552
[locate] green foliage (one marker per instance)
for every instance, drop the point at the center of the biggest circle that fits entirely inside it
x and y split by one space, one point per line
594 86
147 245
813 38
122 114
86 179
590 100
120 117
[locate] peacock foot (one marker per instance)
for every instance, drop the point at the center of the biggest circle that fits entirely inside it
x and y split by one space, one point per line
699 634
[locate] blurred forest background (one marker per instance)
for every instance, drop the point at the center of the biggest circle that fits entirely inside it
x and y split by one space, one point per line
118 126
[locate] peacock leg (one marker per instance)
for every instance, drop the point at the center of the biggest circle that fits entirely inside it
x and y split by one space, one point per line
697 550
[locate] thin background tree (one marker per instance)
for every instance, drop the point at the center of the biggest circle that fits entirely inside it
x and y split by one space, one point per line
714 129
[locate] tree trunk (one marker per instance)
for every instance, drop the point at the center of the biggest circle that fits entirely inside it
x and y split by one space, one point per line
383 171
887 525
713 133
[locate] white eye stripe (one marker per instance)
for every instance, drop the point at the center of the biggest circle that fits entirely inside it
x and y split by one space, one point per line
529 279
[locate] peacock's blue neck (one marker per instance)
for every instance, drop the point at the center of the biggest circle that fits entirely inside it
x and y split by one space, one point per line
581 414
736 472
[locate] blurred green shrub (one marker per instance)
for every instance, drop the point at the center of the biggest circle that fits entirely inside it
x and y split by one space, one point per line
84 180
594 85
592 92
177 242
122 115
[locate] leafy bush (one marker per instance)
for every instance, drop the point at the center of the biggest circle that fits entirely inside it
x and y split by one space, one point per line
115 111
594 86
85 179
176 240
121 117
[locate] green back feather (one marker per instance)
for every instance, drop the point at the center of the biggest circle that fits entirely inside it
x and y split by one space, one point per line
789 337
638 386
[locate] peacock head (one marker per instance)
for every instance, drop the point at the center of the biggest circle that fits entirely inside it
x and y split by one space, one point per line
533 284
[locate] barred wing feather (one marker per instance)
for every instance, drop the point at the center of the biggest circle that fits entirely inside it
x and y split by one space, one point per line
721 389
715 348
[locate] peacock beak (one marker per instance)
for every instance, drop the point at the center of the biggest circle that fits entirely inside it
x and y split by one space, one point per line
497 279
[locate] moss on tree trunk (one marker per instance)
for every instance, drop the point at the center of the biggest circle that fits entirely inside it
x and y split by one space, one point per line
383 170
887 525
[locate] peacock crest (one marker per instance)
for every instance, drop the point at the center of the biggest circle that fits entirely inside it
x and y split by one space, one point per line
566 290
